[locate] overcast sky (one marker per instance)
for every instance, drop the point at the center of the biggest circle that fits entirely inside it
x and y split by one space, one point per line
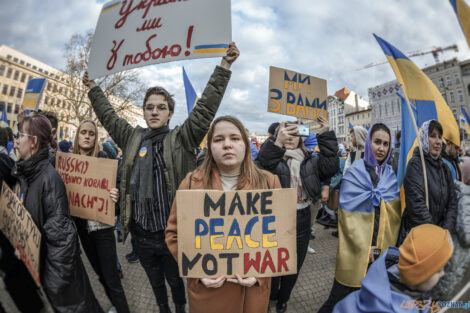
328 39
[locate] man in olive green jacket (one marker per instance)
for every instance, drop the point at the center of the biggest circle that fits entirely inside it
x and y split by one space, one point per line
146 194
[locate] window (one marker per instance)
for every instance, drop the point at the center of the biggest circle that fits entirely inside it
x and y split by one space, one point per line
23 77
17 109
54 88
441 82
2 70
35 67
449 82
9 57
9 72
48 86
17 75
69 106
60 90
2 104
20 93
58 102
15 60
368 114
452 96
5 89
40 70
21 62
46 100
460 94
457 78
12 91
28 64
9 107
52 101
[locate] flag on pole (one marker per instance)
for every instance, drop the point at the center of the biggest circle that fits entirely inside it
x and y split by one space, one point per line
465 120
4 121
33 93
462 10
191 99
350 126
421 91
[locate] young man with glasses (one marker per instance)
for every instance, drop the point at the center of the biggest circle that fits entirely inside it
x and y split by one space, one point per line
155 161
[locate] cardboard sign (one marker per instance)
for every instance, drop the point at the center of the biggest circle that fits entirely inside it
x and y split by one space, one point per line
251 233
88 181
135 33
33 93
18 226
296 94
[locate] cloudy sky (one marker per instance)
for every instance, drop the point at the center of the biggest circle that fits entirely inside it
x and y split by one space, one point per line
328 39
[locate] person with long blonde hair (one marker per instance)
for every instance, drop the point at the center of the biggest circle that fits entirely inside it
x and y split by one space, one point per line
227 166
97 238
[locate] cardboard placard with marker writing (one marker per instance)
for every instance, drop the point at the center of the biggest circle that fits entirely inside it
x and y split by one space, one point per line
88 181
247 232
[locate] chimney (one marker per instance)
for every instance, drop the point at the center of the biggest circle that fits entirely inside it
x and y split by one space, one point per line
356 98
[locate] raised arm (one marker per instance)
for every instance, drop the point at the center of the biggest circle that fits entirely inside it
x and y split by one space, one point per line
118 128
197 124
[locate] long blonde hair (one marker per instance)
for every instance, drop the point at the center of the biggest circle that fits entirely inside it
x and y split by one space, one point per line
96 148
249 173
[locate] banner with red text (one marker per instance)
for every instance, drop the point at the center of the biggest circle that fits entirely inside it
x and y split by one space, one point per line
18 226
88 181
246 232
135 33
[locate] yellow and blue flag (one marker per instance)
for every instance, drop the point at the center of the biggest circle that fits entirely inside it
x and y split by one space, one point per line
465 121
33 93
4 121
463 14
421 91
191 99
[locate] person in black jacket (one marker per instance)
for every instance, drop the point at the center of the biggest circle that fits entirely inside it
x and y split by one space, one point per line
286 156
442 210
97 238
43 194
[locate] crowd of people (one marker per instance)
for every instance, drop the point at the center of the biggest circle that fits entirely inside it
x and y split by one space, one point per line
386 254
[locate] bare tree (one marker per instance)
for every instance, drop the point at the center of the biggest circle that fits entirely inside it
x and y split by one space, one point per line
68 96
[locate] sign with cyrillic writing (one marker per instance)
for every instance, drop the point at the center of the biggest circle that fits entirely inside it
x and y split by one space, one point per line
132 34
88 181
296 94
18 226
33 93
250 233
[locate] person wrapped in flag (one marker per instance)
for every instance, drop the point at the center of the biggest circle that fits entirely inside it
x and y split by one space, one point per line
369 215
442 210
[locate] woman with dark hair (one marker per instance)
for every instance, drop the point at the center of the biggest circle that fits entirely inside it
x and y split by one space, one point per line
97 238
369 215
442 210
43 193
286 156
227 166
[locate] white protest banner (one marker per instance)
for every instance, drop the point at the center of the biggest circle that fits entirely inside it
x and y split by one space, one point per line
132 34
246 232
296 94
88 181
18 226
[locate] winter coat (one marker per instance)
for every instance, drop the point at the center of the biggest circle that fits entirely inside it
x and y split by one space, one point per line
382 292
459 264
62 273
314 169
179 145
6 165
230 298
453 164
442 195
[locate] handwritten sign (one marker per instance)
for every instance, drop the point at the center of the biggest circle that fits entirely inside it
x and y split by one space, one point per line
251 233
18 226
132 34
88 181
296 94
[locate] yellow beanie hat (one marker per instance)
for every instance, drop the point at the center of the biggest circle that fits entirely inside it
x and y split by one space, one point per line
426 249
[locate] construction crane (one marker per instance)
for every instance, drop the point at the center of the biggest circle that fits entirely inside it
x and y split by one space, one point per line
434 51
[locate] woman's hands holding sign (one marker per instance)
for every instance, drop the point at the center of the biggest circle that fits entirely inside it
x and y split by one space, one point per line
246 282
218 282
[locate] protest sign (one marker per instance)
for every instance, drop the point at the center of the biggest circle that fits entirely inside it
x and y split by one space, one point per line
296 94
251 233
33 93
18 226
132 34
88 181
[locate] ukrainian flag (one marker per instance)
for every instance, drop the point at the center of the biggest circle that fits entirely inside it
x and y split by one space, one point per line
191 99
421 91
466 121
463 14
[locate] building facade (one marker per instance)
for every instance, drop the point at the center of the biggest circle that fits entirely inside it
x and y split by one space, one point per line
386 105
336 117
16 69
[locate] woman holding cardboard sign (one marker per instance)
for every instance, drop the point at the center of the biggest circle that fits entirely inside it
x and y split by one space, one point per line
43 194
97 238
286 156
227 166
